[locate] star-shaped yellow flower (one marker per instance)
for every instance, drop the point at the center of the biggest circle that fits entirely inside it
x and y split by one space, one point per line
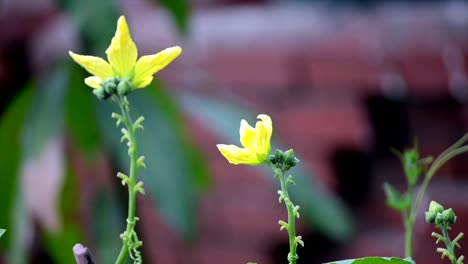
122 56
256 143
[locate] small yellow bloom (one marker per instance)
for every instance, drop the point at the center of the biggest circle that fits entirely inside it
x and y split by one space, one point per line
256 143
122 56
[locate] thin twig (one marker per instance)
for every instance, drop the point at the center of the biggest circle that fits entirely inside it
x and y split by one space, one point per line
83 255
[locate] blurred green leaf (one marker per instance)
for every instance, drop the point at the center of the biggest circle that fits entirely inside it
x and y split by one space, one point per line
2 231
375 260
319 207
80 113
96 21
172 175
11 124
44 121
180 11
45 117
396 200
107 225
60 244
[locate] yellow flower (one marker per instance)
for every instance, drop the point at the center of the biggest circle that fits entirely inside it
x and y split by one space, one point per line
256 143
122 56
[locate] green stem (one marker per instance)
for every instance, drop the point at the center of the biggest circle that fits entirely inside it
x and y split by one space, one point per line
408 238
292 257
409 218
132 180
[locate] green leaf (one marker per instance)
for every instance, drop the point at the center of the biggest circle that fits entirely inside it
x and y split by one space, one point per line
411 167
108 223
396 200
2 231
11 124
172 177
375 260
320 208
97 24
180 10
80 114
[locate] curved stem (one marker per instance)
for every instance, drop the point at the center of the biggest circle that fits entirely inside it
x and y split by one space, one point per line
444 157
132 179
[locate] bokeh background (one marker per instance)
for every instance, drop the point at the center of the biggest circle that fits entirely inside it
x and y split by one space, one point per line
344 81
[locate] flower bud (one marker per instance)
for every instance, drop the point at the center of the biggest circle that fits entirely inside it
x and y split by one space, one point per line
272 159
279 157
100 93
430 217
290 159
124 87
435 207
449 216
439 220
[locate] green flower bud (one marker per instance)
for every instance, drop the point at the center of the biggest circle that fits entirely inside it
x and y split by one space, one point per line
124 87
435 207
290 159
100 93
430 217
110 85
439 220
279 156
289 156
449 216
272 159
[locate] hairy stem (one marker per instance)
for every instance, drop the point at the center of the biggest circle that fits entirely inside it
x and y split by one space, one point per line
132 178
290 225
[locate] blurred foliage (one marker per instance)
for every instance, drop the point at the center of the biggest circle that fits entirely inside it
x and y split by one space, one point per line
11 124
180 11
96 25
58 244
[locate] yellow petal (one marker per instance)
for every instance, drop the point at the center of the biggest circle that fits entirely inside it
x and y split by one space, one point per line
262 139
236 155
122 52
93 81
247 135
143 83
94 65
148 65
268 125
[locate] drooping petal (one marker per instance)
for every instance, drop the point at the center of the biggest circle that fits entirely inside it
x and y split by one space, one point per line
236 155
93 81
247 135
122 52
148 65
94 65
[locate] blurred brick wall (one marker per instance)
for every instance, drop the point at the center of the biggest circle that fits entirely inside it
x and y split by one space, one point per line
340 93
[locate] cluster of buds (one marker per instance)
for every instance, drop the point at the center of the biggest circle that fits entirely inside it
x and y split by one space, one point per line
113 86
285 160
440 216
